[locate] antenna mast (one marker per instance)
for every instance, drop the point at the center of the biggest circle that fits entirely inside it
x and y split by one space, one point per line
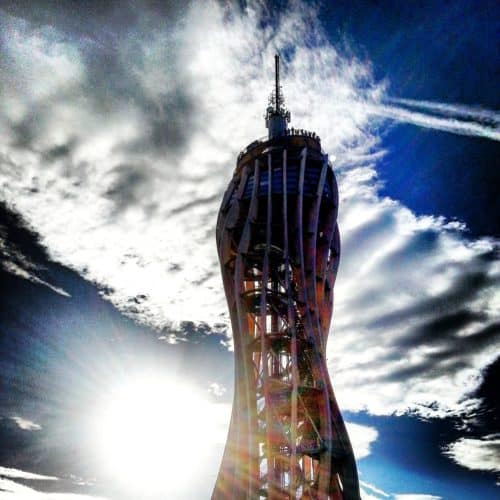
277 77
277 116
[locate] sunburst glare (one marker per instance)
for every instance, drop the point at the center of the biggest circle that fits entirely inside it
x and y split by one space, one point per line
149 427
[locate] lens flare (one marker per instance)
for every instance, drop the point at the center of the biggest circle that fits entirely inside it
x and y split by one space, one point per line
148 428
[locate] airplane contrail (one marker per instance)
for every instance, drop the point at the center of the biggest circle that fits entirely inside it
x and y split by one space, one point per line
451 109
453 124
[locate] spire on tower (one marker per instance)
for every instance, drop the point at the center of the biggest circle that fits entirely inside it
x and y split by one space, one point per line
277 81
277 115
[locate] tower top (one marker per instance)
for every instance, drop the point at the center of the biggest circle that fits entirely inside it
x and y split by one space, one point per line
277 116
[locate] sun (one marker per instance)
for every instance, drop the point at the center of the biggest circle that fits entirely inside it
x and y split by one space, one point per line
151 432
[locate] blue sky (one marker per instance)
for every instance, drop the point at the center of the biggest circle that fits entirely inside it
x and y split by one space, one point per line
431 51
120 127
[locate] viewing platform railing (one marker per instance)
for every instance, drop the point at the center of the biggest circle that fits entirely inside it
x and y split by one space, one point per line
292 132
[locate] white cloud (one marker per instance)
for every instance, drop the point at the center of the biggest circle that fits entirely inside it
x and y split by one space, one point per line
160 242
413 496
10 490
362 437
474 113
476 454
13 268
364 486
371 492
119 194
367 496
217 390
454 124
20 474
25 424
414 318
14 262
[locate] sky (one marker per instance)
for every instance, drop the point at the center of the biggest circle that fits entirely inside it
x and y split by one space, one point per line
120 125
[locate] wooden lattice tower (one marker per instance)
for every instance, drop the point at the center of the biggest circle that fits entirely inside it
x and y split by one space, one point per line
279 248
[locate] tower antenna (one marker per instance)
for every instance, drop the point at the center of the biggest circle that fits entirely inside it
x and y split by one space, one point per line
277 81
277 116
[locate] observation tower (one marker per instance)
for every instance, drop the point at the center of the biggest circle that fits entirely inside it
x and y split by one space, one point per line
279 248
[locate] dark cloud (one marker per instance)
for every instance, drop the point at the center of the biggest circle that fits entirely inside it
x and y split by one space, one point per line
194 203
130 183
438 322
24 132
439 329
364 234
101 20
113 41
461 291
419 242
198 332
59 152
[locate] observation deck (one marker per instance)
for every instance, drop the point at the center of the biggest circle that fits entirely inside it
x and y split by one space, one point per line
291 138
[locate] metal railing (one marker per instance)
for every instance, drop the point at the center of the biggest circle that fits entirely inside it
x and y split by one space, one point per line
288 133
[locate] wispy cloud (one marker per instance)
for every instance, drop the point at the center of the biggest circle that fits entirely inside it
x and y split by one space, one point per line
476 454
14 262
371 492
20 474
15 491
415 335
13 268
9 488
473 124
25 424
362 437
413 496
118 154
452 110
138 220
134 218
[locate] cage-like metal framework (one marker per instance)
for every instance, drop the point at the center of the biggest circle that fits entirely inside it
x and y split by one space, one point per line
279 249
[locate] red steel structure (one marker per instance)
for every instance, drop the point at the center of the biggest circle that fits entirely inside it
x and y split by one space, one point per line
279 248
